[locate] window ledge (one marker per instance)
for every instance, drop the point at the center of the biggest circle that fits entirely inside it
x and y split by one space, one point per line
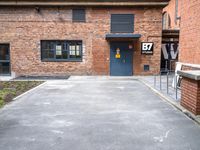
79 21
79 60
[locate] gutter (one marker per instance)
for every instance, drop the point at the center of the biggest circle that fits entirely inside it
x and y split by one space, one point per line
24 3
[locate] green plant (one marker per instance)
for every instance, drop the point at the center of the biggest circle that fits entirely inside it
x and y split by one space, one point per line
1 86
11 89
8 97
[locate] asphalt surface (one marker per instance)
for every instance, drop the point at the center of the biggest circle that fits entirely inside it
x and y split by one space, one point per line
95 114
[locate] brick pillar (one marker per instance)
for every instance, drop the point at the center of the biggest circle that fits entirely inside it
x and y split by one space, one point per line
190 95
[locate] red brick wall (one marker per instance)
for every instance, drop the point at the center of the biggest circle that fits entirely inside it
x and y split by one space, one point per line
23 28
190 32
190 95
170 9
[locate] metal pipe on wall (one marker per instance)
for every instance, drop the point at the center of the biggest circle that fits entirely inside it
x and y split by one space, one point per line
176 12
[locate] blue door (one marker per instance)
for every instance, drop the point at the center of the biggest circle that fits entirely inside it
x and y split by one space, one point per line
121 59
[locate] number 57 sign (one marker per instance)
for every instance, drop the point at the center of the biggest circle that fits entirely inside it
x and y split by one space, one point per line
147 47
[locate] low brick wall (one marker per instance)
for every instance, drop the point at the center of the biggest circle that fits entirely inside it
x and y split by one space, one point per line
190 95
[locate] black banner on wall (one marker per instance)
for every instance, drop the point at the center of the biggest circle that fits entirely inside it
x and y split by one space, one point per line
169 55
147 48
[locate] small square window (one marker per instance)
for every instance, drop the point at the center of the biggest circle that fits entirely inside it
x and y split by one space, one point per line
78 15
146 68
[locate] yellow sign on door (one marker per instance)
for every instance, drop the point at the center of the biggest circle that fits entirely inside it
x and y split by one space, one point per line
117 56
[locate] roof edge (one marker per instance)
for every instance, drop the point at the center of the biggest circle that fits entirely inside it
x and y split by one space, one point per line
121 4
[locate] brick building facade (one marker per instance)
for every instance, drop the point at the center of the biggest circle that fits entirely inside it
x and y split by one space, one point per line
170 35
184 16
173 13
24 27
189 55
190 32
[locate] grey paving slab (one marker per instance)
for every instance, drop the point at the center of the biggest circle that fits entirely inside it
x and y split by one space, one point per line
95 114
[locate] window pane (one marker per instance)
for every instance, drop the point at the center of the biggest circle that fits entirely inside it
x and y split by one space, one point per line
48 49
4 52
78 47
72 47
72 53
45 54
48 54
78 53
51 54
4 59
78 50
4 68
59 51
64 54
74 50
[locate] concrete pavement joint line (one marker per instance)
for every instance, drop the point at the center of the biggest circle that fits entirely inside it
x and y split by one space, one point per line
174 104
19 96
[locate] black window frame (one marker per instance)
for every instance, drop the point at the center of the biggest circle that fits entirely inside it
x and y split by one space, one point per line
66 43
6 60
113 23
76 15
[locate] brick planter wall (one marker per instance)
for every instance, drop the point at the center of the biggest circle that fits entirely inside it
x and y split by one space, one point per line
190 95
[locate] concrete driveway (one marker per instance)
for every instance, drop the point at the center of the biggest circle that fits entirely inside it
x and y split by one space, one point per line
91 113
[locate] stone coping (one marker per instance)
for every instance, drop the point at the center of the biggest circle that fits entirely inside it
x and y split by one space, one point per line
189 65
192 74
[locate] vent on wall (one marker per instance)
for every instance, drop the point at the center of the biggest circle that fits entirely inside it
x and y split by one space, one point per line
122 23
146 67
78 15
